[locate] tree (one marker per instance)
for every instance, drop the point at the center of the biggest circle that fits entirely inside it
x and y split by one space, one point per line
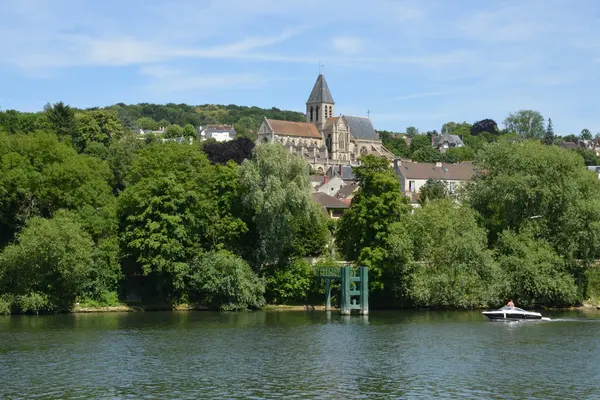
39 176
237 150
427 155
458 154
454 267
362 231
461 129
276 196
534 274
225 282
485 125
433 189
173 131
585 134
549 134
49 265
109 123
419 142
528 124
147 123
62 119
527 183
411 131
189 131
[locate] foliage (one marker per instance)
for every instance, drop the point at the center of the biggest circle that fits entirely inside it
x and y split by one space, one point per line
528 124
433 189
62 119
589 156
549 134
290 285
453 266
378 204
147 123
237 150
426 155
485 125
458 154
276 196
420 142
529 183
120 157
226 282
49 265
534 274
585 134
411 131
39 176
174 131
397 145
457 128
13 121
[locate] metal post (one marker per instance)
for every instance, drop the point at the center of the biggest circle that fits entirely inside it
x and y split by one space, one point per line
328 293
364 290
345 291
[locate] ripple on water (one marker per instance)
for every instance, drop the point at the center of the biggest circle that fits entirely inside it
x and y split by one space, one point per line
295 355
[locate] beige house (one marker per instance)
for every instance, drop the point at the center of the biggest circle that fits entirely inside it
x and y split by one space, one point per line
414 175
325 140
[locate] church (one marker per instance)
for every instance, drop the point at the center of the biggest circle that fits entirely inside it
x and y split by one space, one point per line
325 140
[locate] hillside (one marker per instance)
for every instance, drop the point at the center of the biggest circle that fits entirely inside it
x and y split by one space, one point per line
244 118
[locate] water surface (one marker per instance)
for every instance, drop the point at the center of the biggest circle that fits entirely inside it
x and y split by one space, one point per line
298 355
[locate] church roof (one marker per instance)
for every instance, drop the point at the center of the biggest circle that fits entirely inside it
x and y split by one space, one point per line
320 92
288 128
361 128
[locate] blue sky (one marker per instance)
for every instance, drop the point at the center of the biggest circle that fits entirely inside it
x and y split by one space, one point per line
420 63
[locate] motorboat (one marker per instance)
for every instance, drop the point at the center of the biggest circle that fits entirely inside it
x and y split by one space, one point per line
507 313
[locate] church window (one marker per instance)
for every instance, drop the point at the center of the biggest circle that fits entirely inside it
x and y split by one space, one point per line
317 117
311 114
328 143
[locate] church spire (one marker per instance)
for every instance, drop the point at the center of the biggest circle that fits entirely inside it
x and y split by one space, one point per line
319 106
320 92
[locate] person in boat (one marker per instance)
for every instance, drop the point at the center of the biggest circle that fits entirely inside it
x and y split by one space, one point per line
511 304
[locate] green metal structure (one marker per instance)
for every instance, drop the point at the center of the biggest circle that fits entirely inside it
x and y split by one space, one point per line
354 282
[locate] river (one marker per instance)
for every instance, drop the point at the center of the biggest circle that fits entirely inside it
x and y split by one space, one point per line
298 355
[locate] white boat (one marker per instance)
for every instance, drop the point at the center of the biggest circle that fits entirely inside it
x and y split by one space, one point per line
507 313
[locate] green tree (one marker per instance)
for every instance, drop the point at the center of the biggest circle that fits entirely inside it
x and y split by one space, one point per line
189 131
62 119
276 195
427 155
528 124
549 134
289 285
147 123
534 274
88 131
586 134
433 189
363 229
419 142
458 154
485 125
49 265
224 281
120 158
461 129
174 131
411 131
109 123
528 182
453 266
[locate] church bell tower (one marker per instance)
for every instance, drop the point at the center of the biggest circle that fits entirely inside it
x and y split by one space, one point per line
319 106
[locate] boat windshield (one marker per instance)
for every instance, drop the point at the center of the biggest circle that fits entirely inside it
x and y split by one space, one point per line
506 308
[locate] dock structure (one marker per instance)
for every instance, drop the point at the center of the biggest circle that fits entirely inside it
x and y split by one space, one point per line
354 287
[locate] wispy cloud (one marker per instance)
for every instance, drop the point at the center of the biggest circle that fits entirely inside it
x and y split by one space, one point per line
422 95
347 44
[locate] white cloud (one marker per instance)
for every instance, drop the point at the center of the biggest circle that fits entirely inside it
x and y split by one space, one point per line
347 44
420 95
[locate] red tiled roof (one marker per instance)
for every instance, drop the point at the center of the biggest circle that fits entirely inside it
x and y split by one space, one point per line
299 129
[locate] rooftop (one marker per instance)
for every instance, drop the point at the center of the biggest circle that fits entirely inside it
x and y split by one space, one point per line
413 170
320 92
288 128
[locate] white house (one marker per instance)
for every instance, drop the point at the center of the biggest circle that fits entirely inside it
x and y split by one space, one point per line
221 133
414 175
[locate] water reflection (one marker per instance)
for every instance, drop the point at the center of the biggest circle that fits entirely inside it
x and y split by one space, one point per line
302 354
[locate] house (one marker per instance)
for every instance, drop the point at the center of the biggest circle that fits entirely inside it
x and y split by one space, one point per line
447 141
413 176
316 180
221 133
330 186
333 208
347 193
594 168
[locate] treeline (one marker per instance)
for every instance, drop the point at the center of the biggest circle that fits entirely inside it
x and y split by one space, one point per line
97 219
521 125
527 228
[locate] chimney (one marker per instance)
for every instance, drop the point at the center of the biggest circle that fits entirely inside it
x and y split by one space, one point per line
438 164
326 179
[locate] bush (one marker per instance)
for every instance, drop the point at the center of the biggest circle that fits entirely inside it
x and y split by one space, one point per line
593 285
289 284
226 282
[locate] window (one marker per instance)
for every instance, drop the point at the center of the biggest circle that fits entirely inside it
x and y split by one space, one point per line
317 112
411 186
452 187
311 114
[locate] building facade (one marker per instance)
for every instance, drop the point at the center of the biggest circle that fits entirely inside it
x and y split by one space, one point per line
325 140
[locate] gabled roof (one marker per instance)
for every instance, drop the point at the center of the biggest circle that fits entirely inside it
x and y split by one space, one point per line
346 191
327 201
298 129
451 139
361 127
320 92
459 172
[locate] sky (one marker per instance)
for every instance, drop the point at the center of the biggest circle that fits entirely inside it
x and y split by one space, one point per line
407 63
